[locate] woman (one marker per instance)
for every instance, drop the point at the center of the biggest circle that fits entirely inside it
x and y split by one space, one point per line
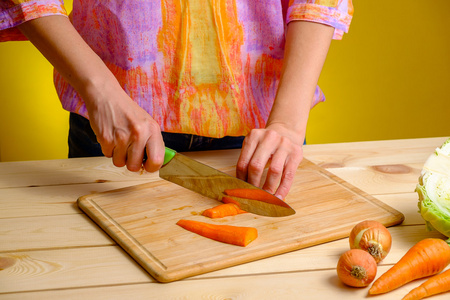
190 75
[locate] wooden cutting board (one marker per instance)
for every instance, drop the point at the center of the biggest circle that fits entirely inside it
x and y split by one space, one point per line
142 220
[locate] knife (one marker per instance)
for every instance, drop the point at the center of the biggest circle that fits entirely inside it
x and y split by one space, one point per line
212 183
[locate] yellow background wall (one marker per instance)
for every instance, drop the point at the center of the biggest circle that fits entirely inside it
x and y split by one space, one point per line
389 77
386 79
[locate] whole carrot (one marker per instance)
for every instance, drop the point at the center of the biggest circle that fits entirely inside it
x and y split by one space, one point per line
435 285
223 210
427 257
235 235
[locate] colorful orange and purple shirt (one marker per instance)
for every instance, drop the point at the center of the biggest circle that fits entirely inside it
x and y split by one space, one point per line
203 67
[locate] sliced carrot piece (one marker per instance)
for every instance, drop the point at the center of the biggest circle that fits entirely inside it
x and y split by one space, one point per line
255 194
223 210
226 199
235 235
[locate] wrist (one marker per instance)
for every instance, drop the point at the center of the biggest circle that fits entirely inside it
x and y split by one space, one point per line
290 115
95 88
296 133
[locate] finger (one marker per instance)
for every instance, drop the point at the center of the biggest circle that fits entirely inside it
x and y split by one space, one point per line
107 150
259 161
135 157
107 144
119 155
288 176
275 171
155 153
248 148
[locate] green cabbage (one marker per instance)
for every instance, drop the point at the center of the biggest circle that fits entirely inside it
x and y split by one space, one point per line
434 190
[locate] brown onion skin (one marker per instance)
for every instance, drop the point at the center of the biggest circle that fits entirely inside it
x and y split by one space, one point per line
372 237
356 268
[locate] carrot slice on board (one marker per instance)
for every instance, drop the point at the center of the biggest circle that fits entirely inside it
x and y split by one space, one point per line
223 210
226 199
235 235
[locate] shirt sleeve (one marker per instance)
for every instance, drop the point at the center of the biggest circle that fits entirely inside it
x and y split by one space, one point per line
16 12
335 13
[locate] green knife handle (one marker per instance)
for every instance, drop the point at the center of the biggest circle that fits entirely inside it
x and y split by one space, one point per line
168 155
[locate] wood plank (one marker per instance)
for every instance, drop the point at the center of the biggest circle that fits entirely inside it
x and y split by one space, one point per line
110 265
379 167
296 285
407 204
68 268
369 153
50 200
100 169
381 179
77 230
66 171
302 285
94 170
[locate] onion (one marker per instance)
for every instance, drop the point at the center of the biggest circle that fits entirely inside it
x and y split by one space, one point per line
372 237
356 268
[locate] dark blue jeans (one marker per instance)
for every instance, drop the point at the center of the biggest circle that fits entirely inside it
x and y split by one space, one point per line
83 143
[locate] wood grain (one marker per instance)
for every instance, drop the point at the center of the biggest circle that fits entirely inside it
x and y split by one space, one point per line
370 153
293 285
373 179
142 220
58 231
406 203
50 200
66 171
69 268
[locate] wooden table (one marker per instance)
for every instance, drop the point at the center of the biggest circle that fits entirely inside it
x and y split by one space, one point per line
49 249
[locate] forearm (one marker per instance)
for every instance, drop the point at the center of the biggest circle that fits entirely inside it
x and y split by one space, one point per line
123 129
57 39
306 48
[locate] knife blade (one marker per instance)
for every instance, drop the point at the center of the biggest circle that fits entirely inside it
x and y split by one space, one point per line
212 183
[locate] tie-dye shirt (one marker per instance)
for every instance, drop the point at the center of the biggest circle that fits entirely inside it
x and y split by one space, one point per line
204 67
